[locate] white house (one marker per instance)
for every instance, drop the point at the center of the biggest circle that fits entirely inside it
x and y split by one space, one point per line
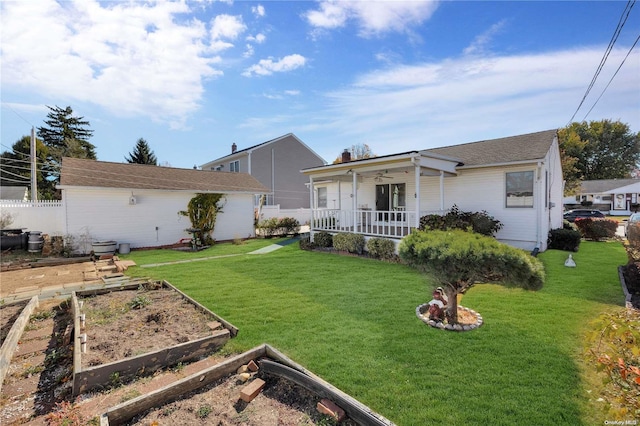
139 204
617 197
517 180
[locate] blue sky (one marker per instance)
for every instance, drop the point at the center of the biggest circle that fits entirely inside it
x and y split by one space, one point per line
193 77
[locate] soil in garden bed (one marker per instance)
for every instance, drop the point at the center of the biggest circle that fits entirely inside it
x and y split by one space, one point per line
8 315
280 403
127 323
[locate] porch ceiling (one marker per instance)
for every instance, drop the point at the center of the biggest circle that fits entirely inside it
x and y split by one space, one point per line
429 166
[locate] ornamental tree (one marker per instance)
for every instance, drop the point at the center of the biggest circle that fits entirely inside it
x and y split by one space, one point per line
456 260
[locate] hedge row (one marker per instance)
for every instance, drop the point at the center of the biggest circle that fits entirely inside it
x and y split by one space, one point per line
275 227
380 248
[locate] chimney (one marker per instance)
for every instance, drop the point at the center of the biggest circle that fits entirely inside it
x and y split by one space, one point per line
346 156
234 148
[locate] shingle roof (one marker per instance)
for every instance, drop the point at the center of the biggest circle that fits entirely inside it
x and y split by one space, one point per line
604 185
532 146
92 173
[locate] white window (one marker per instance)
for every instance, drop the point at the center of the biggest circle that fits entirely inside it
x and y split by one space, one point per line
322 198
234 166
519 189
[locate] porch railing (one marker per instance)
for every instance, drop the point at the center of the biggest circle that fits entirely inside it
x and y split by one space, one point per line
379 223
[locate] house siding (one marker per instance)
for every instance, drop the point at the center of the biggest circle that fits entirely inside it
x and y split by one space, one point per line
105 214
277 166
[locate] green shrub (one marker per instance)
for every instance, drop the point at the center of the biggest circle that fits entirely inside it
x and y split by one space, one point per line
596 229
306 244
353 243
462 258
382 248
479 222
268 227
564 239
288 225
323 239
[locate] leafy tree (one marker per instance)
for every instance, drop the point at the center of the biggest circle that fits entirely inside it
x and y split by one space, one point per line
597 150
65 136
457 260
358 152
16 167
142 154
202 212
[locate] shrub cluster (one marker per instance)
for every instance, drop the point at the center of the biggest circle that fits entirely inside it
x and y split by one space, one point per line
564 239
323 239
275 227
382 248
596 229
479 222
306 244
353 243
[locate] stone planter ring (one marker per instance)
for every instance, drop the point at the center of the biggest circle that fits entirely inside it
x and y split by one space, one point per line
422 312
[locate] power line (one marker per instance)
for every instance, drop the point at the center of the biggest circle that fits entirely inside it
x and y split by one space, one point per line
612 77
16 113
614 38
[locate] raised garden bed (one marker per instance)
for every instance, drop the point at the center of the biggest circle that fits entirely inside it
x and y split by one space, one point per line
290 396
138 330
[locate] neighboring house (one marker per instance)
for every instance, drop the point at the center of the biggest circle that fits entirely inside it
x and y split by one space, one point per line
617 197
139 204
276 164
14 193
517 180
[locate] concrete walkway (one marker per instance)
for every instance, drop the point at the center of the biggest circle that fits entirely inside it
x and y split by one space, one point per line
263 250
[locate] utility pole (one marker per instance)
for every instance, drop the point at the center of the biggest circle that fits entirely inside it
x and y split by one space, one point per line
34 175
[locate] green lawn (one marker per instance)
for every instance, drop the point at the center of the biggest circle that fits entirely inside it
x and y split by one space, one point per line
352 321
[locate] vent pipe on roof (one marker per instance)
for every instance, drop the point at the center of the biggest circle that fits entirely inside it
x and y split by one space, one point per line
234 148
346 156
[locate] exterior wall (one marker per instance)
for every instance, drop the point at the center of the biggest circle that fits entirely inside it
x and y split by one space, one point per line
472 190
105 214
277 166
44 216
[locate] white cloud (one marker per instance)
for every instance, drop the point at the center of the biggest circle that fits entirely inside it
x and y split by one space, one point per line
269 66
130 58
471 98
226 27
371 17
258 38
480 43
258 10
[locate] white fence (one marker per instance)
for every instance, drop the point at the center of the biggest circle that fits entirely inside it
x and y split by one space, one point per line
45 216
302 215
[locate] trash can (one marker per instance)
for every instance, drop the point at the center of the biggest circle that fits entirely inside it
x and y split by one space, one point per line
124 248
36 241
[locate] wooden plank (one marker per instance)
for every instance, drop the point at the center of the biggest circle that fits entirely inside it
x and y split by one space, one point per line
13 337
145 364
232 328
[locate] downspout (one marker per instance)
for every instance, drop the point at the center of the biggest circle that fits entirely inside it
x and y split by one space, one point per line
441 190
312 206
273 175
538 204
354 201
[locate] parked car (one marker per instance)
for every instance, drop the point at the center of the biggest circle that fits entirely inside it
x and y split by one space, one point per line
634 218
572 215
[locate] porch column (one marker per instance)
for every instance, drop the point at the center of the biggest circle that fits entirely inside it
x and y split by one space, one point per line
441 190
416 169
311 203
354 200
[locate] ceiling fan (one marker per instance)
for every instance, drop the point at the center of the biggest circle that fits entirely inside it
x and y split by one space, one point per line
379 176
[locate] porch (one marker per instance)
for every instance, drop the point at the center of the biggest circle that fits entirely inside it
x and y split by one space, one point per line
394 224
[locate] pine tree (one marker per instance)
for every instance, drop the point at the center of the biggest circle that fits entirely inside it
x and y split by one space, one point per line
66 135
142 154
